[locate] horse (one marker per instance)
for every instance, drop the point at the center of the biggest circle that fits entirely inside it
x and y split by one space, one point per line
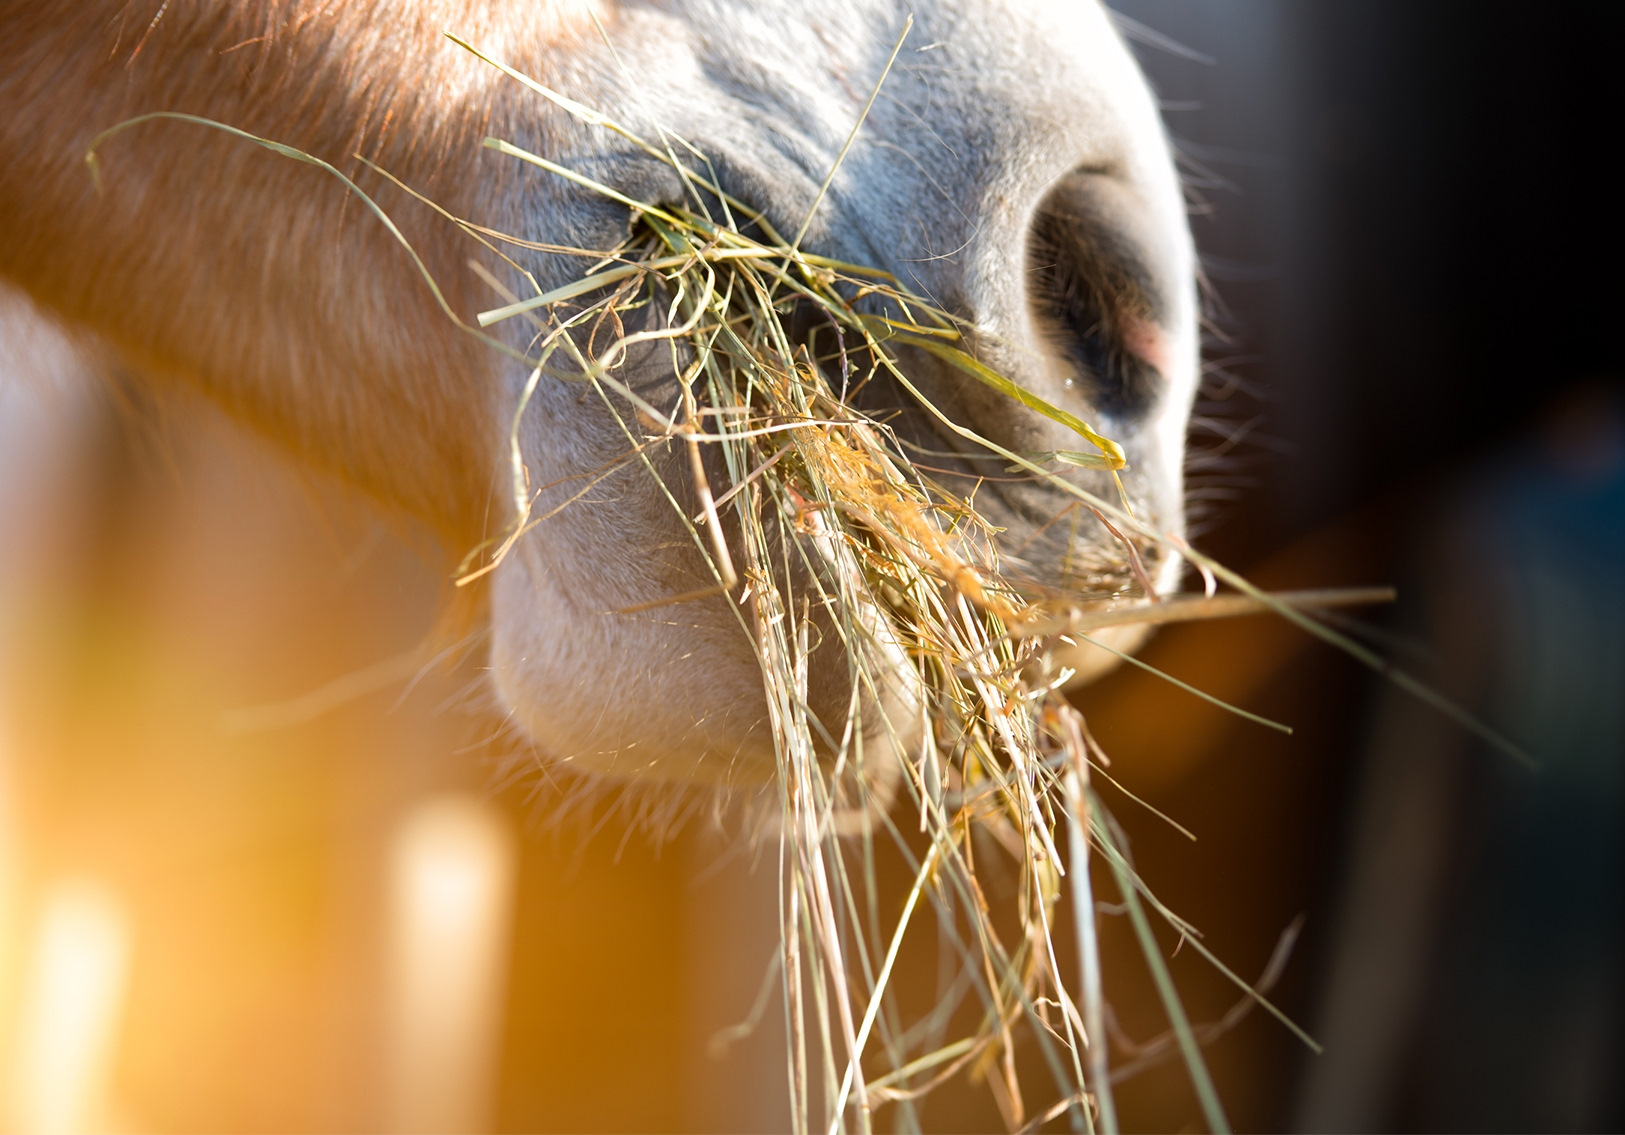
1011 167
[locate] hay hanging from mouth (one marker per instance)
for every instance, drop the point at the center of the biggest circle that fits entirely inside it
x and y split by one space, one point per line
831 518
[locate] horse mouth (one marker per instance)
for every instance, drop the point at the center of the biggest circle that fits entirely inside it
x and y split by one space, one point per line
905 543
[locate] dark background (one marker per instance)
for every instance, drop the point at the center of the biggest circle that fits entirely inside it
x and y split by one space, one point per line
1419 238
1412 242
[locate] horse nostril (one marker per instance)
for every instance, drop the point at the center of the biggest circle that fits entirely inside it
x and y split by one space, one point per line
1094 297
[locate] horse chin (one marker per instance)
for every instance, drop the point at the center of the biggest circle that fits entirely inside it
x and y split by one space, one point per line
676 695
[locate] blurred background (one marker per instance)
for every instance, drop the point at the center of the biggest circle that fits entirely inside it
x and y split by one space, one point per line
255 876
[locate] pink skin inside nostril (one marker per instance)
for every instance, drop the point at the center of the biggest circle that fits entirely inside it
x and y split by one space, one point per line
1147 342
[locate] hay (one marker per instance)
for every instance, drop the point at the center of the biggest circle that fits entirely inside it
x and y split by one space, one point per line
839 530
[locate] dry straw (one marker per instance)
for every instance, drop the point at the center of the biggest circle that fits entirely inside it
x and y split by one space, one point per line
824 527
907 576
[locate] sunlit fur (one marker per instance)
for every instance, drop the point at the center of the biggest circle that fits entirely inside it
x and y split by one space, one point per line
207 261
